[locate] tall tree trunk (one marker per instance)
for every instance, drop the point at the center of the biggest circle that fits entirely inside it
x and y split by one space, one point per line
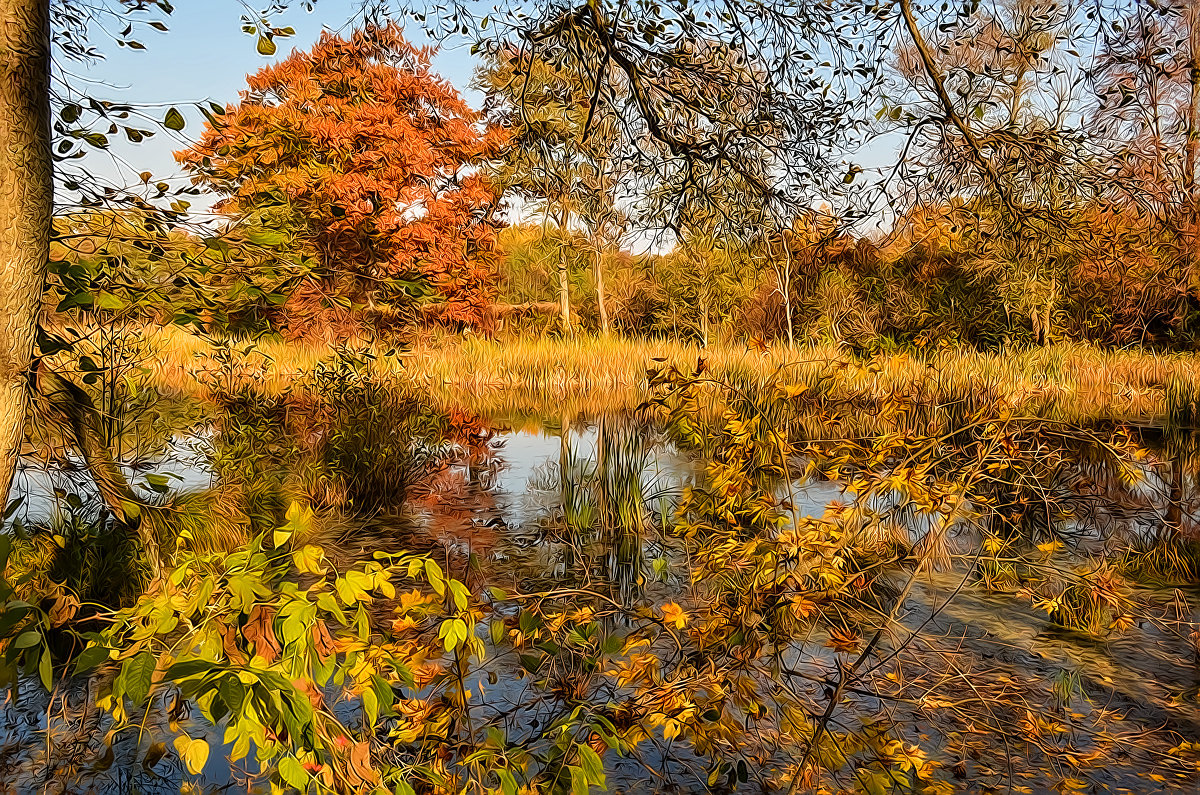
787 291
564 291
600 301
1014 105
1191 194
26 206
1193 113
1048 316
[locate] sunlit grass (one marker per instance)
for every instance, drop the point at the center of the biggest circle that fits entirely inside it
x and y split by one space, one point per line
1067 382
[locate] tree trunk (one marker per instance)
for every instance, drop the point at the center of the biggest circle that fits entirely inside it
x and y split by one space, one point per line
1193 112
564 291
71 411
1048 319
1191 194
1014 106
600 291
787 291
26 206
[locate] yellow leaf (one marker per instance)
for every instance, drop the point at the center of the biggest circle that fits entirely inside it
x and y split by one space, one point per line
194 753
299 521
674 614
308 559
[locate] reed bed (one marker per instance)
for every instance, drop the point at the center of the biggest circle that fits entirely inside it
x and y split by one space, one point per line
521 376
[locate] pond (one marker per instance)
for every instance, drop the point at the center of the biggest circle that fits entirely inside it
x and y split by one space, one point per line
994 690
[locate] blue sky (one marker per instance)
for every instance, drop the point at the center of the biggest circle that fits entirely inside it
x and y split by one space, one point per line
205 55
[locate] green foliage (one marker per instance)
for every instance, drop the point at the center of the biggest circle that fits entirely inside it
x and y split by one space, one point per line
256 653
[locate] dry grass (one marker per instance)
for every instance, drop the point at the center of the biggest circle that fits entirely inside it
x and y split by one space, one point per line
540 376
185 364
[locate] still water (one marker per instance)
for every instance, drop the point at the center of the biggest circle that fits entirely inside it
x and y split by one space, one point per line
496 515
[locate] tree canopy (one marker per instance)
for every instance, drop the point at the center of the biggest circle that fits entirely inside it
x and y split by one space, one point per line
373 161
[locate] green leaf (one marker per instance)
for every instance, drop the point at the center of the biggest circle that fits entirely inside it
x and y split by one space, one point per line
137 673
291 771
10 617
46 670
89 658
579 782
187 669
370 706
232 692
326 602
174 120
158 483
589 760
612 644
266 46
27 639
383 691
132 509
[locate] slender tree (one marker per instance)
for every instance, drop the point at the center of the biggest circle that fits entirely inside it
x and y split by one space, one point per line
565 155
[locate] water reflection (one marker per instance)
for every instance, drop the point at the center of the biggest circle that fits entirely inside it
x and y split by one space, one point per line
579 501
586 504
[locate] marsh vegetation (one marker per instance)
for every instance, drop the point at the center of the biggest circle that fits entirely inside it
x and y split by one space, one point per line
608 422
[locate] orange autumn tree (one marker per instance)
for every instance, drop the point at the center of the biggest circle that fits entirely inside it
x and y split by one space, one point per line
360 165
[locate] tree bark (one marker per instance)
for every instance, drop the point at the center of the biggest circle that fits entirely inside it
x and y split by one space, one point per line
1048 319
26 207
787 290
1193 114
564 290
600 290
